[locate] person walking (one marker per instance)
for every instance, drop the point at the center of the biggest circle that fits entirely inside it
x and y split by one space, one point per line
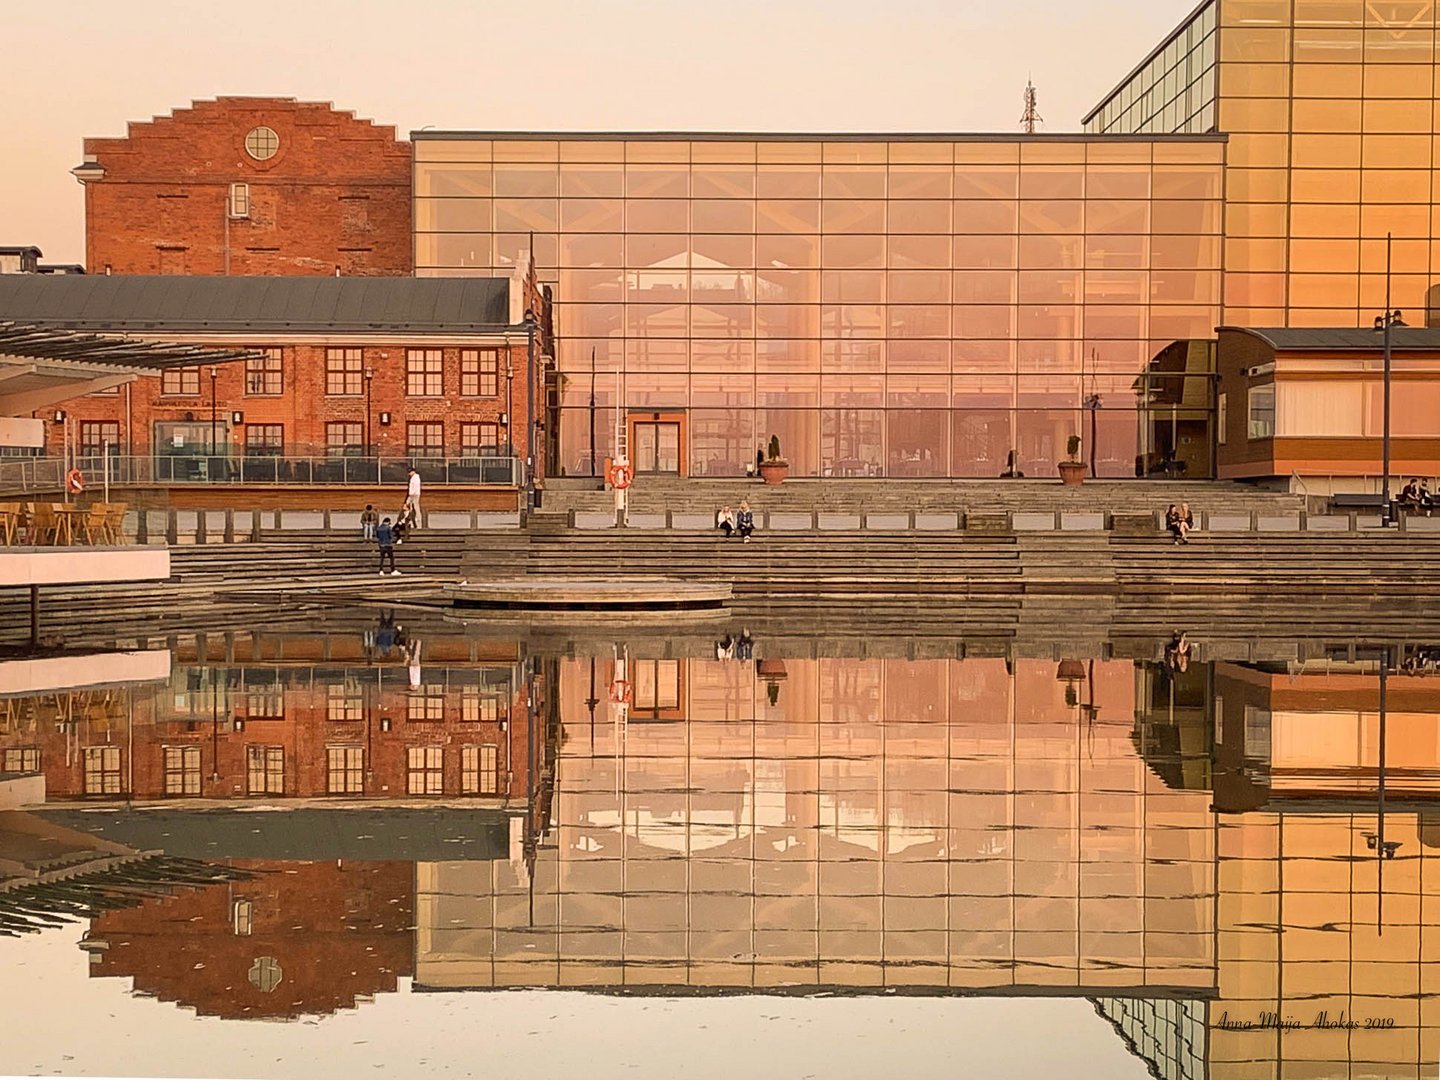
745 522
725 520
369 518
412 498
385 537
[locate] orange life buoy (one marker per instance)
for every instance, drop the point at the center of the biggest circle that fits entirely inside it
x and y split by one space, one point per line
75 481
620 692
620 476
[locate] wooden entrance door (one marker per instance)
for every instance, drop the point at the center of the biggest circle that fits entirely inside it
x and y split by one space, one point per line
657 443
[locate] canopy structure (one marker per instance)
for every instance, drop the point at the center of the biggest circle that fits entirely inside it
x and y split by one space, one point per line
41 366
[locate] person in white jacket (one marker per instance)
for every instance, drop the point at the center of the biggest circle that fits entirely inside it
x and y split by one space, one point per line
412 498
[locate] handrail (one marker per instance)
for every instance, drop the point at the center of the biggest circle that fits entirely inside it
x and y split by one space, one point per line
35 474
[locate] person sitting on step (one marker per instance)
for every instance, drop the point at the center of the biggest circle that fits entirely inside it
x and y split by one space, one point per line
725 520
745 522
1175 524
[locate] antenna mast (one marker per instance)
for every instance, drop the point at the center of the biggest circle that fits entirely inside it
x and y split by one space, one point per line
1032 117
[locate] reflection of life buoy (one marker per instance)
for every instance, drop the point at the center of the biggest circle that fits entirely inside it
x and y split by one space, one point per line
75 481
620 476
620 692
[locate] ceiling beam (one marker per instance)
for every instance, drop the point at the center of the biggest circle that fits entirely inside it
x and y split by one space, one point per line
22 404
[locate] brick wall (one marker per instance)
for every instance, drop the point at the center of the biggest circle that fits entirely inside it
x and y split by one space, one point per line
303 409
336 193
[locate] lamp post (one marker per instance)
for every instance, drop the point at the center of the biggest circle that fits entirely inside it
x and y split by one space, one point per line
509 404
214 379
369 374
530 396
1384 325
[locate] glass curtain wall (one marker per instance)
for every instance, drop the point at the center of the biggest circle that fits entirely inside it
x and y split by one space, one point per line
890 308
1172 90
1330 110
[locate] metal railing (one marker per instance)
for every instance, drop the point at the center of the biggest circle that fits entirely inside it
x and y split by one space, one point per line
48 474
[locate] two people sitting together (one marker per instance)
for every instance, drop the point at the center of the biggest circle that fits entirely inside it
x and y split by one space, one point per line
1179 521
730 522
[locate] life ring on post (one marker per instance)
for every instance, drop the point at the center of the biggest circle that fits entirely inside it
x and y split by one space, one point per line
620 692
74 481
621 476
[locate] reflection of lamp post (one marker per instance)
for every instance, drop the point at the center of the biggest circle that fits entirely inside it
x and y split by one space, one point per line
214 725
1092 402
1384 324
369 375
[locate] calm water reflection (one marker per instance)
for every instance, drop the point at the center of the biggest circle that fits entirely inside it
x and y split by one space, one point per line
1205 865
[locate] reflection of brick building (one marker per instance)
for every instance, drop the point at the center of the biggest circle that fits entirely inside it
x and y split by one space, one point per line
298 939
249 186
337 717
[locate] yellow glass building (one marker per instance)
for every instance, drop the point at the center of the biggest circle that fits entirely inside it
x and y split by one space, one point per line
928 304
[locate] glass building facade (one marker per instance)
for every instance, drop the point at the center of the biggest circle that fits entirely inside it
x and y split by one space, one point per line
1329 106
885 306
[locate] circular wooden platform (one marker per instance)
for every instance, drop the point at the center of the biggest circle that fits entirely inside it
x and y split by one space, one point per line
589 594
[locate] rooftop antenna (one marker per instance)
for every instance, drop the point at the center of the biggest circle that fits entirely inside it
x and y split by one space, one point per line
1032 115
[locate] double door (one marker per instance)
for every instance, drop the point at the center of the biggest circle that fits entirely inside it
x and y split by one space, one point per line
655 446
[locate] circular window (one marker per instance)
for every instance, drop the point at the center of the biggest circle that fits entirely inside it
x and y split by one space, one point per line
265 974
262 143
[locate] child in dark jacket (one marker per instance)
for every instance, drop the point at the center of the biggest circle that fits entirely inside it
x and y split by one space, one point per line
385 537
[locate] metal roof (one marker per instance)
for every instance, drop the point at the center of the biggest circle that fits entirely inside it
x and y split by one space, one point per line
121 302
29 341
1341 339
432 135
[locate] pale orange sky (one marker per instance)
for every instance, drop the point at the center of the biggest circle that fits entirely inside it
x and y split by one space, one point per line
85 67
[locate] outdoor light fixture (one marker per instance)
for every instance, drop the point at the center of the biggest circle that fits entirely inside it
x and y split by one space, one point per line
384 419
384 723
504 419
239 723
59 416
237 418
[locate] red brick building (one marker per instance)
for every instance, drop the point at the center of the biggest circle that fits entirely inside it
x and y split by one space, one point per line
249 186
436 371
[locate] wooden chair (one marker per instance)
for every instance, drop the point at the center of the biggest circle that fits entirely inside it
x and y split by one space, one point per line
94 523
43 523
115 522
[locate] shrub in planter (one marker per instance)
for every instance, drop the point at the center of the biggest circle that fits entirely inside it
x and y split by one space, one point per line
774 469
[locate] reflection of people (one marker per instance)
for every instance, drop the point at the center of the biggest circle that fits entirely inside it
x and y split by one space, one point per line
412 657
386 633
745 646
725 648
1177 651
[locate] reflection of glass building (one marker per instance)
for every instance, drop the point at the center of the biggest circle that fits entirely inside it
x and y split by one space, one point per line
921 305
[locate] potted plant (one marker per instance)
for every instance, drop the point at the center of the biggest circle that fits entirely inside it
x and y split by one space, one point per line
1073 470
774 469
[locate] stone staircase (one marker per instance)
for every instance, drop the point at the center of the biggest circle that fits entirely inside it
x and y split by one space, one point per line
660 493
